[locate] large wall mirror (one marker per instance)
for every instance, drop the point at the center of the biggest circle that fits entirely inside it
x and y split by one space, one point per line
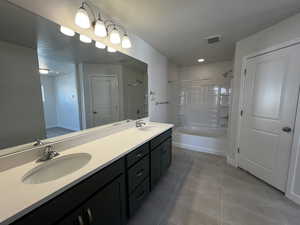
52 84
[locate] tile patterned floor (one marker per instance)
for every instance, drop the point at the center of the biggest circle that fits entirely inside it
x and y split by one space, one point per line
201 189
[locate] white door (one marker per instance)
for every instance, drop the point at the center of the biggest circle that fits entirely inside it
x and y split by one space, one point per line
104 99
271 91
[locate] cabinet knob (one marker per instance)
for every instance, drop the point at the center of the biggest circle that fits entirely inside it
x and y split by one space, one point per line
80 220
140 173
139 155
90 215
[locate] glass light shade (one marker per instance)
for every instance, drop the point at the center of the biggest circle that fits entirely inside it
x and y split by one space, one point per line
43 71
67 31
85 39
100 45
82 18
110 49
114 36
126 43
100 29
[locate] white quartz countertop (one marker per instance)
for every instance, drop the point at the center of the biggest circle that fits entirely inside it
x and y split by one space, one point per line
18 198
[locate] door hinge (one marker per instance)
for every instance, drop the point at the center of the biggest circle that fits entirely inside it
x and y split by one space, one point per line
242 112
238 150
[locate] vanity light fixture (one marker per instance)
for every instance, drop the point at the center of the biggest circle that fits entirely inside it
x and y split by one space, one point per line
126 43
100 28
201 60
43 71
110 49
67 31
85 39
82 17
114 36
100 45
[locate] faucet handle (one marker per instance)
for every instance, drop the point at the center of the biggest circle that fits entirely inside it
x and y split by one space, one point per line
38 142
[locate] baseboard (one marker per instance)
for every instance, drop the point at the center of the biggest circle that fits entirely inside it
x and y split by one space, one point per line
199 149
231 161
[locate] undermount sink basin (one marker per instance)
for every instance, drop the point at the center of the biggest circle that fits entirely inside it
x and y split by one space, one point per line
147 127
56 168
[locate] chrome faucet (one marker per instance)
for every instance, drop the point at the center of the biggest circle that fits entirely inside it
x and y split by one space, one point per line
48 153
139 123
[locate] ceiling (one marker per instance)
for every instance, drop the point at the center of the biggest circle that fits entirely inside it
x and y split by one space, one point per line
177 28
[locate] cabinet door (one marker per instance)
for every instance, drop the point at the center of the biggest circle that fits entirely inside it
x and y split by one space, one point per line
75 218
155 165
166 155
107 206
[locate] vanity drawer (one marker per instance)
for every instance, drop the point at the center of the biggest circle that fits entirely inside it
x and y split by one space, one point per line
137 154
138 173
138 196
160 138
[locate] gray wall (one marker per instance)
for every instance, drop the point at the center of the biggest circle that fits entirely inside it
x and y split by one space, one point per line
21 112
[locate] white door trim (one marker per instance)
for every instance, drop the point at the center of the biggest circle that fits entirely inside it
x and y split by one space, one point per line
295 149
294 159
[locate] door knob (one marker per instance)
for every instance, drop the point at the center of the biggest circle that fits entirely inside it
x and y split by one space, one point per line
95 112
287 129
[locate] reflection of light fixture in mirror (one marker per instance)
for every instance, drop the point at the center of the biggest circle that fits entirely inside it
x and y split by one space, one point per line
82 17
110 49
114 36
100 45
67 31
126 43
85 39
43 71
100 28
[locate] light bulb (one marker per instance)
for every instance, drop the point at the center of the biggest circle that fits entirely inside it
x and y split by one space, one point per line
201 60
43 71
100 45
100 29
114 36
85 39
126 43
67 31
82 18
110 49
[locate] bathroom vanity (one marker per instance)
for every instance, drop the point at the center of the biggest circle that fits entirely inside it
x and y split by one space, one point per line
123 169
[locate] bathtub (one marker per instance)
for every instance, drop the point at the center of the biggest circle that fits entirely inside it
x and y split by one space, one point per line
202 139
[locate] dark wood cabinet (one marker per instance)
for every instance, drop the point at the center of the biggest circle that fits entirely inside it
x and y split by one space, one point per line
160 156
110 195
166 155
155 166
106 207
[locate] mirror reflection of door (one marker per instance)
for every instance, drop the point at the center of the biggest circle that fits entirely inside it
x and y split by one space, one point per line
104 99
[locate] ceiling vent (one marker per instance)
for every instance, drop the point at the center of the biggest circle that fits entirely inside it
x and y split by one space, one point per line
213 39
